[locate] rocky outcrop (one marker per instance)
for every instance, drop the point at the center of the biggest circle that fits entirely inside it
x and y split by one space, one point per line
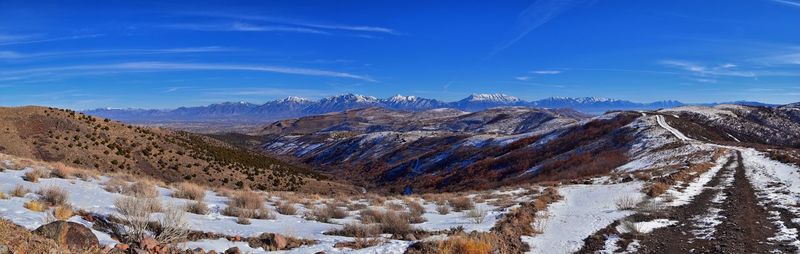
70 235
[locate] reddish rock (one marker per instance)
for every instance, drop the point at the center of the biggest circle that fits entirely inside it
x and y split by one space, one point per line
268 241
122 246
71 235
233 250
148 243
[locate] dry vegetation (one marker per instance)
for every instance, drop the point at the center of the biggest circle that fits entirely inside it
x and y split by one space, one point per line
286 208
390 222
189 191
443 209
74 140
465 245
53 196
19 191
461 203
247 204
477 215
197 207
35 206
63 212
36 173
325 213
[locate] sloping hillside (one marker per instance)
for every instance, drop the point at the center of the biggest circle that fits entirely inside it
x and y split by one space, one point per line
445 150
74 138
454 150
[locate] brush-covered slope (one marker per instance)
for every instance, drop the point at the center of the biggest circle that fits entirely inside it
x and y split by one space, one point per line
453 150
771 126
51 134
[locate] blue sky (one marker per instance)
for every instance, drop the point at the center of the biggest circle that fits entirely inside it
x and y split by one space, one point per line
163 54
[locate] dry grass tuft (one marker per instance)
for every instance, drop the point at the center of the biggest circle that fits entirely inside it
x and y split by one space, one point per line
656 189
415 208
391 222
286 208
197 207
326 213
63 212
142 189
3 195
246 200
173 226
54 196
134 216
627 203
395 223
191 191
243 220
61 170
247 204
19 191
64 171
443 209
465 245
357 230
461 203
477 215
631 227
504 201
35 206
36 173
115 185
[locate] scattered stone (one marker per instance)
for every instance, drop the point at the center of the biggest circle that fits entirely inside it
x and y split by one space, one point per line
71 235
233 250
268 241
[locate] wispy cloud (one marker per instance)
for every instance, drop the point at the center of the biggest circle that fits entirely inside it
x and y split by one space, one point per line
275 92
94 52
546 72
697 69
30 39
522 78
536 15
787 58
13 37
294 22
243 27
170 66
787 2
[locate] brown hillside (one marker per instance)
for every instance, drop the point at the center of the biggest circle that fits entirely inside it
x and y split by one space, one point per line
81 140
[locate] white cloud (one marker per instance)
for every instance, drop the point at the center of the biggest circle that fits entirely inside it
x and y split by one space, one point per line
522 78
536 15
297 24
169 66
18 55
788 2
16 40
243 27
705 71
546 72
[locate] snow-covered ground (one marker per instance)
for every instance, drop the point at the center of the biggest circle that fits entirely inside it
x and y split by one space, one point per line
584 210
91 196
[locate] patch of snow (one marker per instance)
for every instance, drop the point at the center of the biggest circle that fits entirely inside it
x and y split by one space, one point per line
684 196
648 226
584 210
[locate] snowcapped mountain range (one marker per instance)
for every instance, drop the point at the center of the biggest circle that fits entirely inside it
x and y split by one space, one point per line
293 107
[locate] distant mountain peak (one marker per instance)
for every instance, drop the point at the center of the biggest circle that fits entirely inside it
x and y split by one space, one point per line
401 98
491 97
581 99
296 99
352 98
